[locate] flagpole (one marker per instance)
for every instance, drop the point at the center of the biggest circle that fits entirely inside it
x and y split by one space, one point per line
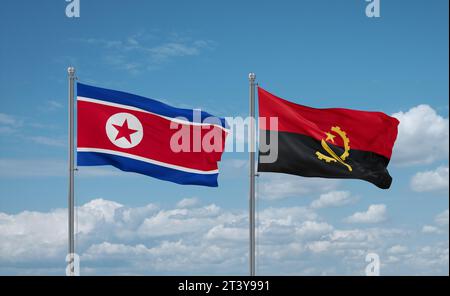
252 199
71 207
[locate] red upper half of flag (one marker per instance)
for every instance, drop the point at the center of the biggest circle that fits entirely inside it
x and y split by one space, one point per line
156 136
368 131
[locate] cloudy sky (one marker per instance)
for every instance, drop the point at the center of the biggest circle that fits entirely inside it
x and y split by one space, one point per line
197 55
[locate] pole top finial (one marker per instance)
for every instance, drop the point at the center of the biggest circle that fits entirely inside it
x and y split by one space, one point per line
71 70
251 76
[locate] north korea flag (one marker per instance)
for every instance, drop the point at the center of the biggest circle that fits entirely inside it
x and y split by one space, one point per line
328 143
136 134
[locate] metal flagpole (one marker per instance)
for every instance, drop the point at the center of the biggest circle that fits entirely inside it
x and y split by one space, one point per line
71 72
252 251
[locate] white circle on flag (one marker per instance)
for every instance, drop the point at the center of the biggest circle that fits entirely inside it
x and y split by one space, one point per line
124 130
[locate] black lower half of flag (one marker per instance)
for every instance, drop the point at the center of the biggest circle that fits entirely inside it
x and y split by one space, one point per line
305 156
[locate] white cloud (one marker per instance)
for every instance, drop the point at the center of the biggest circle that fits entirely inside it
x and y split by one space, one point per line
19 128
397 249
333 199
38 236
319 246
280 186
436 180
9 123
119 235
442 218
441 221
143 51
431 229
430 257
6 119
313 229
286 215
193 221
161 53
101 209
228 233
203 239
188 202
374 214
423 136
353 235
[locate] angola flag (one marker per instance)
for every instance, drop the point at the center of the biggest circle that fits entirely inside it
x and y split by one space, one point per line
328 143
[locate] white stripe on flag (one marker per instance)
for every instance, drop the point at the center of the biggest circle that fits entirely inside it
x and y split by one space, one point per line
176 120
148 160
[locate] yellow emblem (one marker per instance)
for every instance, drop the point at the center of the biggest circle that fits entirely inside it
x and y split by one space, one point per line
333 157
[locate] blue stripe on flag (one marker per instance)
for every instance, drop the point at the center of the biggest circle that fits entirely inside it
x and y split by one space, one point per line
145 168
147 104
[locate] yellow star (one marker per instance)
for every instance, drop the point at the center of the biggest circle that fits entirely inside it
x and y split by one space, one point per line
330 137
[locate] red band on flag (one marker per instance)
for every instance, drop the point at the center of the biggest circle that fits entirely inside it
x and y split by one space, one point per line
370 131
155 143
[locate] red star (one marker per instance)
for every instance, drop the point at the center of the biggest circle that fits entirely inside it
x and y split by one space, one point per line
124 131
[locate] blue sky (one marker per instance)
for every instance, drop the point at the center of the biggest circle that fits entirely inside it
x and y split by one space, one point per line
317 53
